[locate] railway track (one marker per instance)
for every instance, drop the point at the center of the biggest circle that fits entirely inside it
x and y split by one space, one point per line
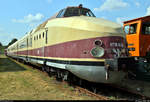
91 93
101 92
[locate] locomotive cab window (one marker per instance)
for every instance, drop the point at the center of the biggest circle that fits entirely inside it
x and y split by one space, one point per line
61 13
146 28
126 29
78 12
86 12
133 28
58 16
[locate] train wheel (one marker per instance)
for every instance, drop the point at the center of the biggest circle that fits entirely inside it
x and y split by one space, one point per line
23 61
80 82
43 68
18 59
60 75
51 72
94 89
70 75
65 78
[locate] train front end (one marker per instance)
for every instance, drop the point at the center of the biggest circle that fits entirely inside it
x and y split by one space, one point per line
95 48
86 46
110 47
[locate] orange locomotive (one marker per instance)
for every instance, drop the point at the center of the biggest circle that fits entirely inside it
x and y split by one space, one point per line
138 39
138 36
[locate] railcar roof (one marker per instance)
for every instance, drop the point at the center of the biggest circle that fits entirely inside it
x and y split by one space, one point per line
140 18
53 17
103 22
12 45
44 23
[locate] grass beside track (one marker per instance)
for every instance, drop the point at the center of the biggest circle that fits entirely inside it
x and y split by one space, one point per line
20 82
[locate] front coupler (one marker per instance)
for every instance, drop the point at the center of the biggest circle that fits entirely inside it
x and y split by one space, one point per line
120 64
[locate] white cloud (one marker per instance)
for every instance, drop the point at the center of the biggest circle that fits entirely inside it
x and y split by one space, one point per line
148 11
30 18
120 20
137 4
49 1
112 5
104 17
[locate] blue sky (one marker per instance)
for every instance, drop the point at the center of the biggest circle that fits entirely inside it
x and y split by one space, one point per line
20 16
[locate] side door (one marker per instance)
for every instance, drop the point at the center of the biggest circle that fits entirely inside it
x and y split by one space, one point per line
145 39
45 42
132 36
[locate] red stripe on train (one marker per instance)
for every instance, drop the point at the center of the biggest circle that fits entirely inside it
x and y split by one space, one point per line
73 49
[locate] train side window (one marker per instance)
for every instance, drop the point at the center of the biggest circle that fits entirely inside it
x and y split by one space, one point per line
46 41
133 28
126 29
43 34
40 36
146 28
31 41
27 42
37 37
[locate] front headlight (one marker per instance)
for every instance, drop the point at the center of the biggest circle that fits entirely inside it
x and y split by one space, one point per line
97 52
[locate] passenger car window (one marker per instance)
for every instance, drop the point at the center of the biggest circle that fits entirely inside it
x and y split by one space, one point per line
43 34
40 36
46 40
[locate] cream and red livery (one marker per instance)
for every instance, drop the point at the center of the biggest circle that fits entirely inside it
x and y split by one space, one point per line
74 41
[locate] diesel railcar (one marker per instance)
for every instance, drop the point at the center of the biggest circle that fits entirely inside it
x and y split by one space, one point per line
75 41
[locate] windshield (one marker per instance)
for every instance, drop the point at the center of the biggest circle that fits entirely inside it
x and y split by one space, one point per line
131 29
78 12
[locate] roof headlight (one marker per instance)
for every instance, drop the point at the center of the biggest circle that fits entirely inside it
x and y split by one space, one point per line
97 52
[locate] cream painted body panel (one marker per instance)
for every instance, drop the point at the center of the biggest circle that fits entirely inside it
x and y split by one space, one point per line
62 30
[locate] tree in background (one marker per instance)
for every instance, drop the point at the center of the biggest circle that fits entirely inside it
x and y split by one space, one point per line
1 44
12 41
1 48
